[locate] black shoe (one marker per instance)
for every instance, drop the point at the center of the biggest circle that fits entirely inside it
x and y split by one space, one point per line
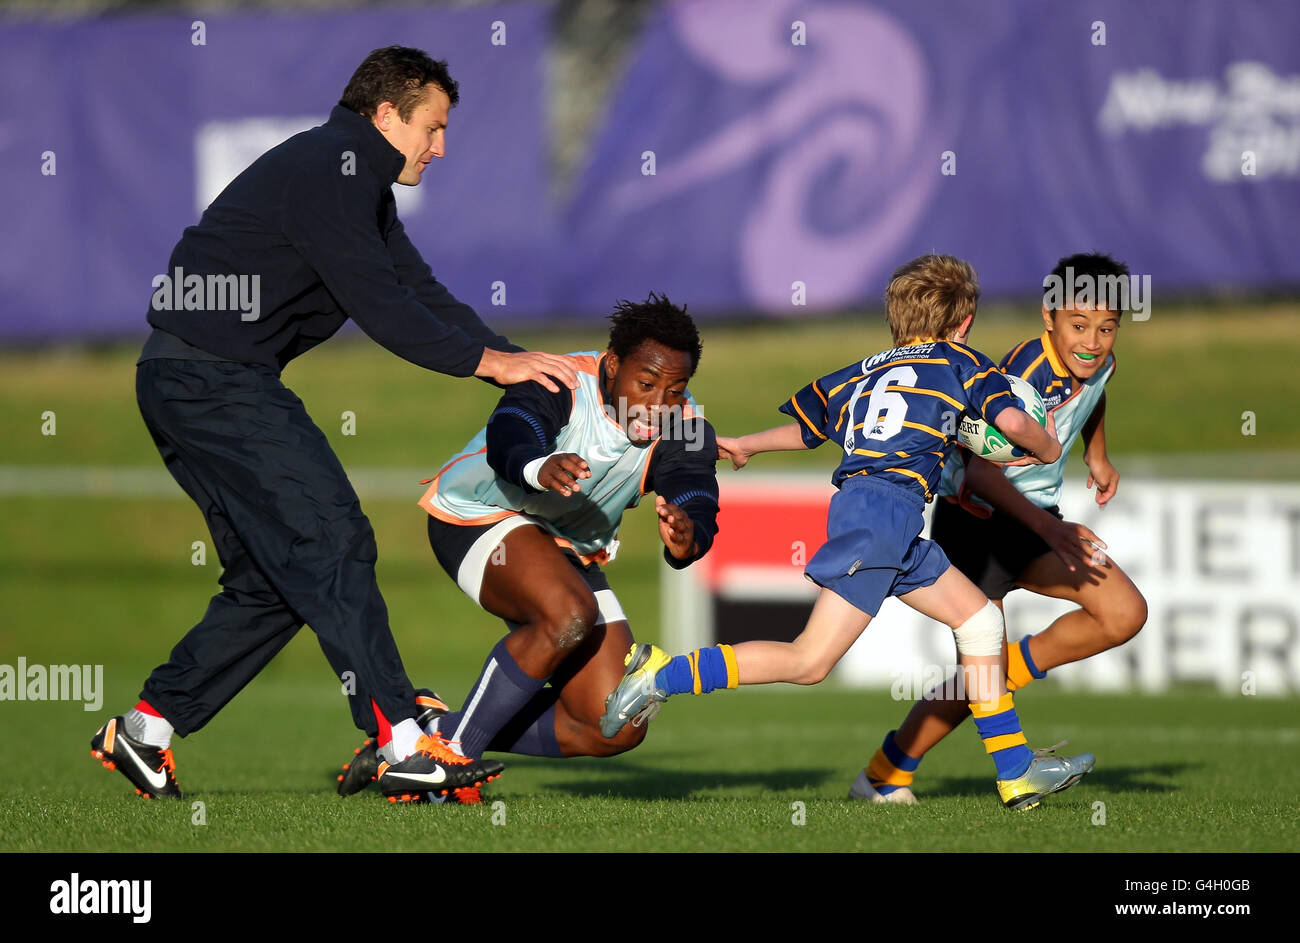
434 706
430 705
362 770
434 768
151 770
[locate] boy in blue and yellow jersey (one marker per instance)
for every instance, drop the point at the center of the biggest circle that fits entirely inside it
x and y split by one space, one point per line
525 516
893 418
1022 541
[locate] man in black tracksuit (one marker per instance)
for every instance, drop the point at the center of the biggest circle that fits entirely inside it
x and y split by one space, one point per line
303 239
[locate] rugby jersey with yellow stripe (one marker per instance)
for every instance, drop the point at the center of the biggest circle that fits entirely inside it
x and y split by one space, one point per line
1071 402
894 415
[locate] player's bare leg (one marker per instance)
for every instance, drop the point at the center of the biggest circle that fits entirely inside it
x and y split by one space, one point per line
563 720
651 676
1023 777
932 717
584 680
530 583
953 600
935 715
835 624
832 628
537 588
1111 612
558 634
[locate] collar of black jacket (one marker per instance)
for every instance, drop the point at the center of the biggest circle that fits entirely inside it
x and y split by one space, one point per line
386 159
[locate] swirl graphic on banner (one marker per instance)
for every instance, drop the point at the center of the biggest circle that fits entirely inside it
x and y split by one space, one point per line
835 202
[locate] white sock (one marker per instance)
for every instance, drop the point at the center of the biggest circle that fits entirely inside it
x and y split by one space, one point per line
431 727
149 729
405 735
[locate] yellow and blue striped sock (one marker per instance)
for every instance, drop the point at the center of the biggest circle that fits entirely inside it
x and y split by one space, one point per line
1021 669
999 728
700 671
890 768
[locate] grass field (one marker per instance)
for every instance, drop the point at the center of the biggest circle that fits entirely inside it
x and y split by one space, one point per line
105 577
1191 773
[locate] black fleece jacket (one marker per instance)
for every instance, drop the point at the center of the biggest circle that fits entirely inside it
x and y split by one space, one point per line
315 219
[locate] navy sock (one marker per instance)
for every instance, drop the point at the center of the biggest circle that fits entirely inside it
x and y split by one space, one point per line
537 739
446 723
531 732
502 691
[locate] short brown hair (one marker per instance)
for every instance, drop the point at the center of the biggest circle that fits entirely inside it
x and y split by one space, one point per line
930 296
396 74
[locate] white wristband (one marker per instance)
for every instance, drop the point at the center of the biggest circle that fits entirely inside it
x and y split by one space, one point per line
532 469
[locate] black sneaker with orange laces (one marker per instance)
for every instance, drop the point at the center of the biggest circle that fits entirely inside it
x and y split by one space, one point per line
362 770
433 706
150 769
434 768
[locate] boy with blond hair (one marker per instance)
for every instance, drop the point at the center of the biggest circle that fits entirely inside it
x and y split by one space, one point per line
894 416
1021 542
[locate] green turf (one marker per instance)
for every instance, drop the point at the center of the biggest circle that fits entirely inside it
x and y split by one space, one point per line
1175 773
109 580
1185 377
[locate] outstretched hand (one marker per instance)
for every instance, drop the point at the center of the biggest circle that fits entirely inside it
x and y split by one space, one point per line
521 367
731 450
1103 474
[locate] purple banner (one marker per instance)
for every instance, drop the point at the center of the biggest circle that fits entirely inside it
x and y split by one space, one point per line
779 156
115 133
764 154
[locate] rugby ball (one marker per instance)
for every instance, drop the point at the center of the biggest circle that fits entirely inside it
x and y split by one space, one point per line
986 441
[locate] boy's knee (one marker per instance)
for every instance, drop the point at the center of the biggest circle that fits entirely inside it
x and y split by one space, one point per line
982 634
1132 617
814 671
1124 618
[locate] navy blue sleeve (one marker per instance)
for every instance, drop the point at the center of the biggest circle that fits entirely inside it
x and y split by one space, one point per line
682 472
524 427
330 219
984 386
414 272
808 408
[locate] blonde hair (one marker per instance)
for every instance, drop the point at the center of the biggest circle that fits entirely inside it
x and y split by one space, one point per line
930 296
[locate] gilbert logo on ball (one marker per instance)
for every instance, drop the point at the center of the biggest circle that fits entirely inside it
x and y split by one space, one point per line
986 441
